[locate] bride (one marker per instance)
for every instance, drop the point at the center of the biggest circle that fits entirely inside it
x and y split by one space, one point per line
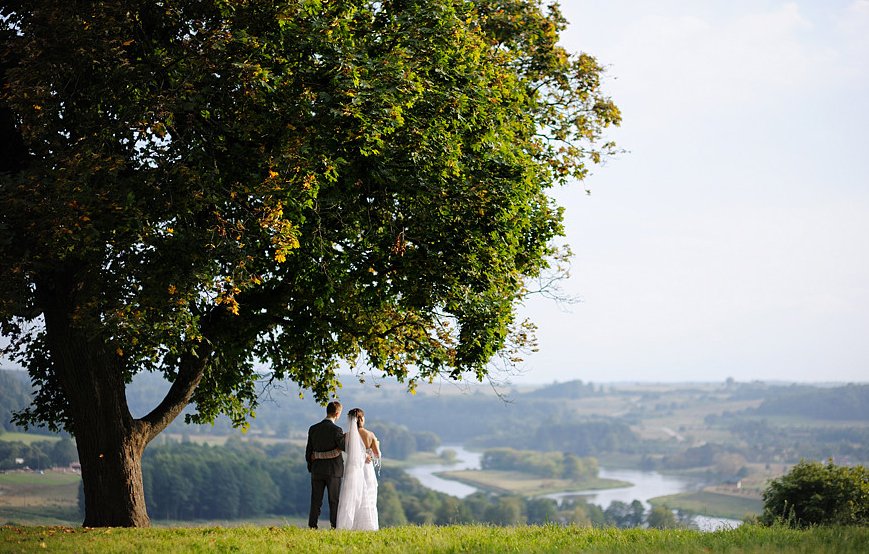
357 503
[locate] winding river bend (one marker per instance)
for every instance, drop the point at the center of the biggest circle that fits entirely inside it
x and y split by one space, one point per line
644 485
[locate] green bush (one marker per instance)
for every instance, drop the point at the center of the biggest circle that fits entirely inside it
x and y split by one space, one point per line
813 493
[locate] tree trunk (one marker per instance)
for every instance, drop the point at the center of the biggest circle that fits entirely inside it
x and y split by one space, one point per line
110 441
111 471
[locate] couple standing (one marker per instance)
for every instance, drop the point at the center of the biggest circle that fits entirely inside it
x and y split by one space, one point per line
353 502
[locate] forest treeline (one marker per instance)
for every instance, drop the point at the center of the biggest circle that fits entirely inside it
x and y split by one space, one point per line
850 402
38 454
15 394
189 481
580 436
402 442
761 441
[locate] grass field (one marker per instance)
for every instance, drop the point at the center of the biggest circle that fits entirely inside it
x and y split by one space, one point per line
27 438
517 482
39 499
711 504
472 538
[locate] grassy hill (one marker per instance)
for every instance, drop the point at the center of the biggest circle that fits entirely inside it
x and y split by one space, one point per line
745 539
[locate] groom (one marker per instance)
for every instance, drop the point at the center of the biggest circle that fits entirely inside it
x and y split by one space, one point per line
323 454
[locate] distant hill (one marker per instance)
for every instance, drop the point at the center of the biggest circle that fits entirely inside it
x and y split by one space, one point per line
15 393
760 421
850 402
454 412
569 389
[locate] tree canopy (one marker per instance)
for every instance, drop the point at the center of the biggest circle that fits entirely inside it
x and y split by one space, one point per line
291 182
197 187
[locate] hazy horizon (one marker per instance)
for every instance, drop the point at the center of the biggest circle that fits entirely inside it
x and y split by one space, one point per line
498 381
732 239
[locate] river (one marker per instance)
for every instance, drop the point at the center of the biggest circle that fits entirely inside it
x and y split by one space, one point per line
465 459
644 485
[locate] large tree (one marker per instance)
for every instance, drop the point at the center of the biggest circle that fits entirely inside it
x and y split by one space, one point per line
204 187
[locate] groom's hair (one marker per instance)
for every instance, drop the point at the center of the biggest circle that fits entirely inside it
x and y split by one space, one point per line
333 407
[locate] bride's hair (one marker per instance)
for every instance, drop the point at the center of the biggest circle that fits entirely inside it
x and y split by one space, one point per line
357 413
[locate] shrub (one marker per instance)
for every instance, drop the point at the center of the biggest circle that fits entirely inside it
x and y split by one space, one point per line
813 493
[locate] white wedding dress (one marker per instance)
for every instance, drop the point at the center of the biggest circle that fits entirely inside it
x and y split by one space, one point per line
357 503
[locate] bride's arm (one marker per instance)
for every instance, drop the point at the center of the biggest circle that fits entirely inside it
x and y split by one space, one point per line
375 446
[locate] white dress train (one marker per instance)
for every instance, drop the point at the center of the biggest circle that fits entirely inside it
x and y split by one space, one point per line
357 503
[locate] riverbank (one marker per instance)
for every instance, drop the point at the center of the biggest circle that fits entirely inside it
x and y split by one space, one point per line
524 484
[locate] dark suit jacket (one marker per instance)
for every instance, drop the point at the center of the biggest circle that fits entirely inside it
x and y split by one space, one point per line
322 437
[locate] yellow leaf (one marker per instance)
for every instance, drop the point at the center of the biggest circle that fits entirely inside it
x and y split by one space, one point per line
119 351
172 289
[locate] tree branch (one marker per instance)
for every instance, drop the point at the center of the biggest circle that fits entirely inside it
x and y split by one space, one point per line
190 373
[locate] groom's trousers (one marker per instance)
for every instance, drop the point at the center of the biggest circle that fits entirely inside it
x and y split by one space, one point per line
320 484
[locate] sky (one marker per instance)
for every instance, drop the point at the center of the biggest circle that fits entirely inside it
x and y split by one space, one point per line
731 238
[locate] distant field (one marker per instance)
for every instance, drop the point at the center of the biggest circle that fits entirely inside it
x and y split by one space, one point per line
220 440
415 459
798 421
26 438
711 504
211 440
517 482
685 415
39 499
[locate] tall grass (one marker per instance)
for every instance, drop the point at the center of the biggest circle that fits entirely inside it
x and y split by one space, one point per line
470 538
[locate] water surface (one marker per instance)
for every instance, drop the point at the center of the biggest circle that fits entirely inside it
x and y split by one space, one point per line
644 485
